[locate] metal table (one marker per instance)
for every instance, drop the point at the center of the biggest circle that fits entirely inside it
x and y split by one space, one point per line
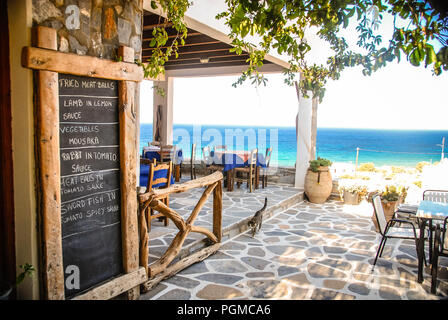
428 212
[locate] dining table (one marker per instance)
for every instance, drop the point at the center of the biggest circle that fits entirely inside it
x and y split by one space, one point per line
428 214
153 152
231 159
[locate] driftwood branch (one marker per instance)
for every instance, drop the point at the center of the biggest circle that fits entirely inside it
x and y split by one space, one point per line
180 265
213 185
183 187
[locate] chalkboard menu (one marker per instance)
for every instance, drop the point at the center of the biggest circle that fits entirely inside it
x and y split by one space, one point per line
90 181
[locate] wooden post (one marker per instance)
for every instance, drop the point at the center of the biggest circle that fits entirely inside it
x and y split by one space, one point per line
217 211
49 173
128 162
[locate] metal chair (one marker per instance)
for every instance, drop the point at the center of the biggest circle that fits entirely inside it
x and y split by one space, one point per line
389 230
409 211
193 159
264 171
440 249
160 183
249 171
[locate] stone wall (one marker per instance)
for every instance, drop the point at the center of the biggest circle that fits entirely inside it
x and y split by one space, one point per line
93 27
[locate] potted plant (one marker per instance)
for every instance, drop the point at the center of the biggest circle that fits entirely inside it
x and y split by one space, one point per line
6 289
391 197
318 181
352 194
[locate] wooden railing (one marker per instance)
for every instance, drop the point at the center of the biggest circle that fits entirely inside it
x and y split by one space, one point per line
160 269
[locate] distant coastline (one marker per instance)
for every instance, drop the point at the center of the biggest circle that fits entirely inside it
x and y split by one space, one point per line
379 146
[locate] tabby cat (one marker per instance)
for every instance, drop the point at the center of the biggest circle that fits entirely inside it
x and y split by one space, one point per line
255 222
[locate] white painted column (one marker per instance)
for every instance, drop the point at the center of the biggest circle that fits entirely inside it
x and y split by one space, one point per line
304 144
166 101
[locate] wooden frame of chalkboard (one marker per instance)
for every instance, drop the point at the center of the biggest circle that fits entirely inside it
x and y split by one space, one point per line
50 64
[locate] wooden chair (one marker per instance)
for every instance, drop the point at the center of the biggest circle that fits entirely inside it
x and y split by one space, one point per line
220 148
169 153
264 171
249 171
207 160
165 181
193 158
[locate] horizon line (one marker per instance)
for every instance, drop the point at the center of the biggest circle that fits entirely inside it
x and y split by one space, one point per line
292 127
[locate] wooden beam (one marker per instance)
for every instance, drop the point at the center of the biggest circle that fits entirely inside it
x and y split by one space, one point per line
49 173
156 25
199 48
128 170
187 44
193 34
60 62
198 54
116 286
211 60
217 211
222 57
206 65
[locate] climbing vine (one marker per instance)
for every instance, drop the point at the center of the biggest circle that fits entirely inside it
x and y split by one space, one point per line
421 36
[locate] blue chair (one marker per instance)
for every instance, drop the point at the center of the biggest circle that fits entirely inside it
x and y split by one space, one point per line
159 176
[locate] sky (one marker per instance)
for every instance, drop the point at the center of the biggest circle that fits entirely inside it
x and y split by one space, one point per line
399 96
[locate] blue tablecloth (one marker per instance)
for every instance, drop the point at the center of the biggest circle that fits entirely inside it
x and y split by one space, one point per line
144 172
156 155
232 160
432 210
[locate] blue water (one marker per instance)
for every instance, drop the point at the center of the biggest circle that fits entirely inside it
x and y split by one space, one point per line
382 147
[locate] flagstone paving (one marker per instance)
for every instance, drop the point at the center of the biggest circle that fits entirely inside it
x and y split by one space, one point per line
238 205
308 251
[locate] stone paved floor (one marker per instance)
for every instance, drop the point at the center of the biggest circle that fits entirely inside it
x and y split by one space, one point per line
237 206
306 252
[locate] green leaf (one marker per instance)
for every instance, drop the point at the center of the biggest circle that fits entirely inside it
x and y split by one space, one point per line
415 58
430 55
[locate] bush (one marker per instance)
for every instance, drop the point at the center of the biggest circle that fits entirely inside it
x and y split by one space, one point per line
320 162
347 176
393 193
420 165
369 167
398 169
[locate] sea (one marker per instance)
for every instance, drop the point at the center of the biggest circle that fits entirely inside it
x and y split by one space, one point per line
381 147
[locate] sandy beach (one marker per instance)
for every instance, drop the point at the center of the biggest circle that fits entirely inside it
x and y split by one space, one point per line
417 179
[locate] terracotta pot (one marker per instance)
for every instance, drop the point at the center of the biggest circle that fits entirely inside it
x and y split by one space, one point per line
389 209
351 198
318 185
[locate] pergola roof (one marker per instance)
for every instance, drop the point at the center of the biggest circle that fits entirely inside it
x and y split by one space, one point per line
202 42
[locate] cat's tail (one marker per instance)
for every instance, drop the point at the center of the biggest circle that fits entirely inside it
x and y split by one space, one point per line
265 204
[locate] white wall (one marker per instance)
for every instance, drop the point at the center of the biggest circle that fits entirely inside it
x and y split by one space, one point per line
20 21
